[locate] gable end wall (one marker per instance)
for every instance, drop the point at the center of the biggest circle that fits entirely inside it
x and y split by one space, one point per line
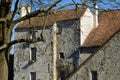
106 62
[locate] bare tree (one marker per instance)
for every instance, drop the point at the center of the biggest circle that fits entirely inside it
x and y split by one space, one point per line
10 8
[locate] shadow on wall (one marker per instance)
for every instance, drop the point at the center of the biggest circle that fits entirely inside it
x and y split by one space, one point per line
27 65
11 72
75 58
25 45
87 50
65 67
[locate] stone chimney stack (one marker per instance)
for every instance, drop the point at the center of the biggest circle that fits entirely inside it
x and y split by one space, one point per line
25 10
95 18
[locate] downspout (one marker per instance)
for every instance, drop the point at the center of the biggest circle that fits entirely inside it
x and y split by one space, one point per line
54 51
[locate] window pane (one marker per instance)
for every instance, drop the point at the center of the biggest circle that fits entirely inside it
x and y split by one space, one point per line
33 76
94 75
62 55
33 54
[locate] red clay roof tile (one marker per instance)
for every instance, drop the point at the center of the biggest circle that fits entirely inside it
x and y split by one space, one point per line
59 16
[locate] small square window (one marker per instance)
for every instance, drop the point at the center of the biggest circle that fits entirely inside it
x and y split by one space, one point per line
62 55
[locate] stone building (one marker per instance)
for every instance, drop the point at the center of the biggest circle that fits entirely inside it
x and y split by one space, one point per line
69 40
104 63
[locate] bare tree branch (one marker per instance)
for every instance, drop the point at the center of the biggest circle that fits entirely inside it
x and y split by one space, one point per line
54 5
4 46
29 15
14 12
2 20
33 14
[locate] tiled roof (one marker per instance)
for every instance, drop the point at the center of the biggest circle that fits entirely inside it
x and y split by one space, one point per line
59 16
109 23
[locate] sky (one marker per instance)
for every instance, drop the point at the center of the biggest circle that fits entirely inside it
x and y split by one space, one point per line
106 5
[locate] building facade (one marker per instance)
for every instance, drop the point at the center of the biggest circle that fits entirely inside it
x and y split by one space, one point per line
60 53
69 43
104 63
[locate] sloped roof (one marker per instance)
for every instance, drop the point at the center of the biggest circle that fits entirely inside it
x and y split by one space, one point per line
109 23
59 16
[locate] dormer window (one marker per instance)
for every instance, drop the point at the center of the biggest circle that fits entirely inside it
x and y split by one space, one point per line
33 54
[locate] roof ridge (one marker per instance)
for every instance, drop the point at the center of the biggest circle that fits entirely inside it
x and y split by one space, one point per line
108 11
71 9
92 55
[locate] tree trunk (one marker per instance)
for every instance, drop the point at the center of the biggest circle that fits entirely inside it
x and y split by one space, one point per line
4 63
3 67
4 55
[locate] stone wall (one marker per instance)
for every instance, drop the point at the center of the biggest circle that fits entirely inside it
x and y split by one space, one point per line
68 41
43 64
105 63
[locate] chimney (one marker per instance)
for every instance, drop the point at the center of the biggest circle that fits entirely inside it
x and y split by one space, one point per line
25 10
95 17
28 8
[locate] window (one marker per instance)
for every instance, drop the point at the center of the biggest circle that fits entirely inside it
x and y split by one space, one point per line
93 75
33 54
62 55
32 35
33 76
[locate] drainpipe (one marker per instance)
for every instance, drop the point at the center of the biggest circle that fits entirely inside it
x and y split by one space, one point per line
54 51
